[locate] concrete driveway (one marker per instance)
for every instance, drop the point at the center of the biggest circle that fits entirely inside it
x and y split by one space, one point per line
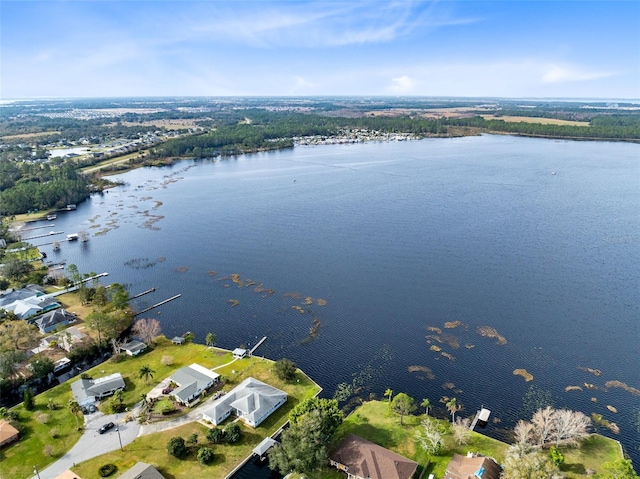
92 444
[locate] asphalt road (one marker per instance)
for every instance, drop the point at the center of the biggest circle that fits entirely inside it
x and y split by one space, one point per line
92 444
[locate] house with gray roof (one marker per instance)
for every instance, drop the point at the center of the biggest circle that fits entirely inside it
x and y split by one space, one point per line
133 347
142 470
192 381
252 401
51 320
88 391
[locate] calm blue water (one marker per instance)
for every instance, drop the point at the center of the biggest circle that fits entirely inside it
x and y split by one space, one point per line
398 238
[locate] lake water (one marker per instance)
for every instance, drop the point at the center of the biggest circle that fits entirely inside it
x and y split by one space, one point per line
537 239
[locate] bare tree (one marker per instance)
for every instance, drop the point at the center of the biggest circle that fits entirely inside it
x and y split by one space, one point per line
524 433
544 424
430 437
116 344
147 329
461 431
570 427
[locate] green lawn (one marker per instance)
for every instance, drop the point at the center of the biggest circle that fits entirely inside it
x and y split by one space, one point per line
152 448
18 459
373 421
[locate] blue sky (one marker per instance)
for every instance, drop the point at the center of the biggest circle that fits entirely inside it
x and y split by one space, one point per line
92 48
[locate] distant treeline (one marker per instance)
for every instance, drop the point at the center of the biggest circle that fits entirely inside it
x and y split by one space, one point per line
601 128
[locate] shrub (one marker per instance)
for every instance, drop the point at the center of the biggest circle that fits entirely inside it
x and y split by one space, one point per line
54 433
556 456
167 360
48 450
43 418
205 455
51 405
165 406
215 435
29 403
285 369
177 447
232 433
192 440
107 470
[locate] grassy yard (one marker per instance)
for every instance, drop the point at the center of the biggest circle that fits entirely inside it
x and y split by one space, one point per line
152 448
373 422
18 459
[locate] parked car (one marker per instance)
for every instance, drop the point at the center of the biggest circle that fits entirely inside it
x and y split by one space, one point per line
105 427
166 390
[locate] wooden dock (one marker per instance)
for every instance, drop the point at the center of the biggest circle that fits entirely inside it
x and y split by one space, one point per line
50 233
158 304
257 345
142 294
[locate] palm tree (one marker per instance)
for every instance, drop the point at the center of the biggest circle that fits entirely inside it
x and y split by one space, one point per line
453 407
388 393
74 407
145 372
210 339
425 404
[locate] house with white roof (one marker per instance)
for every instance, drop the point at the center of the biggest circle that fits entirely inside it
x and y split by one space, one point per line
192 381
88 391
252 401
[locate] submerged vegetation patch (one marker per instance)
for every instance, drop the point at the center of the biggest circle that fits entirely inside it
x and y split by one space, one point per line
422 369
524 373
141 263
489 332
452 324
433 329
621 385
572 388
595 372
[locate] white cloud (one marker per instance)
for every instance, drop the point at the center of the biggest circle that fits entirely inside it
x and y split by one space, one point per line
563 74
402 85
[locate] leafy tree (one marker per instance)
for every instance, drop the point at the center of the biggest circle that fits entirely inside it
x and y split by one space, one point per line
425 404
145 372
285 369
117 401
215 435
330 415
302 447
430 437
210 339
528 463
622 469
9 362
177 447
389 394
192 440
41 366
74 407
27 396
453 407
556 456
232 433
205 455
403 404
15 335
343 392
97 320
119 296
16 268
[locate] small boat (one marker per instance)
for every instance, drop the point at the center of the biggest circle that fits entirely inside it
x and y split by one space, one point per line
72 237
51 217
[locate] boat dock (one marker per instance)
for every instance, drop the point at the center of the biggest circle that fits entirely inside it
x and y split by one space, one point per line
143 293
158 304
481 419
50 233
257 345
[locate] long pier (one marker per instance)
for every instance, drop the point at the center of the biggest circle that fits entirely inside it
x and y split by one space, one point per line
257 345
143 293
158 304
51 233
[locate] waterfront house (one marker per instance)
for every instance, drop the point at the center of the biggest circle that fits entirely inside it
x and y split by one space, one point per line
27 302
472 466
178 340
252 401
192 381
142 470
51 320
8 433
362 459
88 391
133 347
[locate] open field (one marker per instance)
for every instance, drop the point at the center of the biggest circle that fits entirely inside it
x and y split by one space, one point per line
533 119
168 124
25 136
